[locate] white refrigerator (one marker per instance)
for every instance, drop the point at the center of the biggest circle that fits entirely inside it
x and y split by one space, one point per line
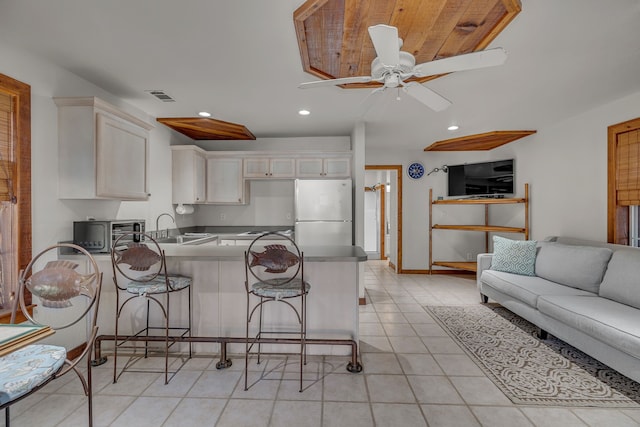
323 212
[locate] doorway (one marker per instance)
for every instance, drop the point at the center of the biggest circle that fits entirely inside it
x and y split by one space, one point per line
383 214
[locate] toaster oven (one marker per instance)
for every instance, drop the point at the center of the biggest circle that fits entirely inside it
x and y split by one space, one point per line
98 236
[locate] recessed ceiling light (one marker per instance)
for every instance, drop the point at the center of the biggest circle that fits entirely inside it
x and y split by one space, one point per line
304 112
204 114
453 127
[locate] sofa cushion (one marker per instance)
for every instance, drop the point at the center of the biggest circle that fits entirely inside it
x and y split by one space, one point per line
615 324
514 256
524 288
621 282
580 267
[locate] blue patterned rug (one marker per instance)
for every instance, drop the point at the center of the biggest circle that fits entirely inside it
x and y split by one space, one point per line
531 371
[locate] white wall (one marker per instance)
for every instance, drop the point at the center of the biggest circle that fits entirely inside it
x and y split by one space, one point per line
565 165
52 218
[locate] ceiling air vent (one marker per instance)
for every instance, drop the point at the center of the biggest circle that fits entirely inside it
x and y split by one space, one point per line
161 95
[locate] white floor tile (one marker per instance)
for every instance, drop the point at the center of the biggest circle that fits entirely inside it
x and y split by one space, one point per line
414 375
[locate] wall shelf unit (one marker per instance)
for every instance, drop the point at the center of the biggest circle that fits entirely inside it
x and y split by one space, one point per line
486 228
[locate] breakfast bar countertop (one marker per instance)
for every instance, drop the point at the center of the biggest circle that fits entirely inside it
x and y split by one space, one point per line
236 253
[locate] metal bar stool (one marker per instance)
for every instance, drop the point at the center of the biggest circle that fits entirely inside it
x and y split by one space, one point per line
140 271
274 273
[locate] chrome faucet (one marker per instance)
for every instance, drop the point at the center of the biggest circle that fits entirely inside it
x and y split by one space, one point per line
166 232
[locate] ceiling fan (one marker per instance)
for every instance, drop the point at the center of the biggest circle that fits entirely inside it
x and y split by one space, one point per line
392 67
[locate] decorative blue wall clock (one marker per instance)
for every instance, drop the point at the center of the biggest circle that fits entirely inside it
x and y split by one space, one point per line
415 170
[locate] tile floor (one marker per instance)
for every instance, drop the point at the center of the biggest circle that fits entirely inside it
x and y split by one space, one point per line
414 375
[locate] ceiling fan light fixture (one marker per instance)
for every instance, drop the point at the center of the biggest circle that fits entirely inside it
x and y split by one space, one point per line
304 112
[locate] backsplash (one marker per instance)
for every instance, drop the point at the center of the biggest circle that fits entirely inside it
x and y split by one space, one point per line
271 203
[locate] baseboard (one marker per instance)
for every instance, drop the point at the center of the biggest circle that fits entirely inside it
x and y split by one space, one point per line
414 272
456 272
6 316
76 351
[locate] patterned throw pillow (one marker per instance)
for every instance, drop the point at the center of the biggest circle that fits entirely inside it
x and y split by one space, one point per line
514 256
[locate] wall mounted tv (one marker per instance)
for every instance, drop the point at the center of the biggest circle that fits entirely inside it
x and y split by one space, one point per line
486 179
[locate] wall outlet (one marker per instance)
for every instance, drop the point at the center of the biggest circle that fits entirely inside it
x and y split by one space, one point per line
223 216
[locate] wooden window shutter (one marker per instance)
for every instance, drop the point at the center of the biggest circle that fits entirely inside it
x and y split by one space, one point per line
7 165
628 168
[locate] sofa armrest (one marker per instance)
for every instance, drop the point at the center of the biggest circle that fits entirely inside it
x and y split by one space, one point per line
484 263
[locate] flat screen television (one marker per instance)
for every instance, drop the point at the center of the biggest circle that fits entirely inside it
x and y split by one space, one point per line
486 179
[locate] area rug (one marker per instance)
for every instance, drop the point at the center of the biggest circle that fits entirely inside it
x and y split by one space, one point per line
532 371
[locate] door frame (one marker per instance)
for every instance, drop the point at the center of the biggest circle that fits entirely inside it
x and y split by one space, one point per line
398 170
21 97
617 216
382 214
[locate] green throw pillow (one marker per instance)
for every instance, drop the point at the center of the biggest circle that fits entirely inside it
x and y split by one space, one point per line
514 256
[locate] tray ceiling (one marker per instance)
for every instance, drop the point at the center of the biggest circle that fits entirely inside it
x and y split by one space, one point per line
478 142
200 128
334 42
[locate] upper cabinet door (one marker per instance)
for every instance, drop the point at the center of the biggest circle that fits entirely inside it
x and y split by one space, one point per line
225 184
121 159
188 166
102 151
264 167
339 167
282 168
256 167
309 168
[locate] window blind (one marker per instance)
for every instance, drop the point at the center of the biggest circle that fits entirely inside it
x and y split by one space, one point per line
628 168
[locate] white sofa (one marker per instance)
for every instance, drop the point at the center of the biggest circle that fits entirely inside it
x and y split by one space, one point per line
583 292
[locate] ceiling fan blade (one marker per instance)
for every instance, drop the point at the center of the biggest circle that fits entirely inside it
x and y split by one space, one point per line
385 41
467 61
332 82
425 95
369 101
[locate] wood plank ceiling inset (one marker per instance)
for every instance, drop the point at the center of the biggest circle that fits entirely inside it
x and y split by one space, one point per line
480 141
334 41
202 128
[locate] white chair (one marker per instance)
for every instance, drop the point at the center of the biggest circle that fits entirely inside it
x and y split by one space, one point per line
59 287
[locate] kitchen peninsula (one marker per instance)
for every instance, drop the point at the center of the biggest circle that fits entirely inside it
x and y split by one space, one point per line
219 299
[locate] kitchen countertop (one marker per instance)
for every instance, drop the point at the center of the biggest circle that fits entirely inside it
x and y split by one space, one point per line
227 253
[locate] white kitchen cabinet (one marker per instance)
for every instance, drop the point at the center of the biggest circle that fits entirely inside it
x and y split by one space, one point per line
330 167
102 151
225 184
188 171
264 167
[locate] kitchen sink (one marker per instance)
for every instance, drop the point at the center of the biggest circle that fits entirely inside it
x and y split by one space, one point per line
188 238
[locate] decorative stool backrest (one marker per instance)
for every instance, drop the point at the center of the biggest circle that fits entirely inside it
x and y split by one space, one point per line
141 261
269 261
58 285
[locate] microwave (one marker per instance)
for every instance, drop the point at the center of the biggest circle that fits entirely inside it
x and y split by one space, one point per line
99 236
